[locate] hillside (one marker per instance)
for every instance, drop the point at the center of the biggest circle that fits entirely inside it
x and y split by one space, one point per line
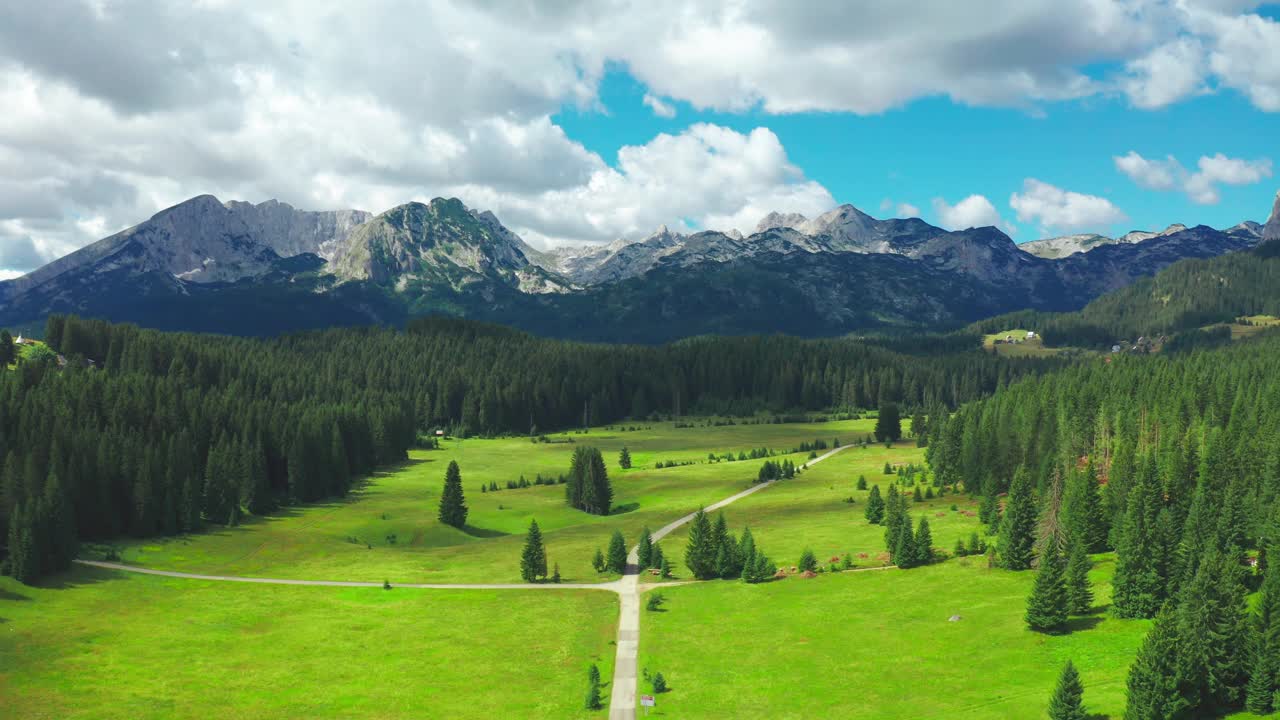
265 269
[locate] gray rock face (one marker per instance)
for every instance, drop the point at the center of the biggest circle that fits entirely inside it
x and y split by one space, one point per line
417 246
780 220
1272 229
1060 247
291 232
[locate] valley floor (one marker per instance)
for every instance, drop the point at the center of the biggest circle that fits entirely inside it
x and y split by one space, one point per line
105 643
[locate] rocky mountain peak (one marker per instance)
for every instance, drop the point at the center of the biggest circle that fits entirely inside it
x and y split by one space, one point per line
776 220
1271 231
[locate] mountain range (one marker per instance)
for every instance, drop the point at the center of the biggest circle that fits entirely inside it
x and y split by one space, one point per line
241 268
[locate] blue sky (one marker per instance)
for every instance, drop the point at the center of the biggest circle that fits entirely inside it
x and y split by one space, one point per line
589 121
935 147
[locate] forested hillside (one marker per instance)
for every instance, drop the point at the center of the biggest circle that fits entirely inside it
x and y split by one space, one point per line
1187 295
1186 449
143 432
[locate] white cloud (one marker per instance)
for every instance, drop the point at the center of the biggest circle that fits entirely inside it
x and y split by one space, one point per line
705 177
907 210
973 211
254 100
659 108
1200 186
1167 74
1055 209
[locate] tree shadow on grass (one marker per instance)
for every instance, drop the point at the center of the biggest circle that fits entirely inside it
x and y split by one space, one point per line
10 595
624 509
474 531
1078 624
79 576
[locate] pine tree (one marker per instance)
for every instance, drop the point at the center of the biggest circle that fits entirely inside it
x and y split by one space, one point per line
1076 578
747 551
700 553
593 700
889 423
923 542
533 560
1211 626
588 487
664 568
1264 677
862 482
1137 588
453 507
1082 511
655 557
1067 702
875 506
1018 525
808 562
644 550
598 562
1047 605
616 556
659 684
1153 680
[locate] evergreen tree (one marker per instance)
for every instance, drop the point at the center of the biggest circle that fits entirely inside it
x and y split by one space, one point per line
453 507
808 562
1018 524
1212 662
875 506
1153 680
1067 702
923 542
616 556
1076 579
655 557
1047 604
1137 588
1264 677
747 551
587 487
598 562
889 423
659 684
593 700
664 568
533 559
1082 512
624 458
644 550
700 553
895 515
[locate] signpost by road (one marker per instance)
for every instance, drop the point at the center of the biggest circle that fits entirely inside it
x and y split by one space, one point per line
646 702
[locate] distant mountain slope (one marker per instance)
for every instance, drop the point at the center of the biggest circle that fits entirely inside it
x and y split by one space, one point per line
204 265
1272 229
1187 295
1060 247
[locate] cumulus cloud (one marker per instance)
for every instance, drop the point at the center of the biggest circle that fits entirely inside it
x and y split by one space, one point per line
907 210
1200 186
1167 74
659 108
1055 209
973 211
323 103
705 177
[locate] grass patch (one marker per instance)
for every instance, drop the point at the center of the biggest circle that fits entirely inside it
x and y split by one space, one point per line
348 539
104 645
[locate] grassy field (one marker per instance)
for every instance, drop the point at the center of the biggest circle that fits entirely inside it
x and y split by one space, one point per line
810 511
349 539
1025 347
879 645
106 645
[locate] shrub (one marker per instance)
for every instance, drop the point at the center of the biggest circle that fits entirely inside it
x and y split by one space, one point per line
807 561
659 684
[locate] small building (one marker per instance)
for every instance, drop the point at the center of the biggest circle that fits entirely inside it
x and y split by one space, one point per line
439 433
1031 334
1115 348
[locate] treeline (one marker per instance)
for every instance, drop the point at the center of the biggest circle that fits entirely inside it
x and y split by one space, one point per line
171 432
149 433
1173 462
1186 295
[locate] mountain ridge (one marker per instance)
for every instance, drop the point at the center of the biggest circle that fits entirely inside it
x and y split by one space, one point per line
441 256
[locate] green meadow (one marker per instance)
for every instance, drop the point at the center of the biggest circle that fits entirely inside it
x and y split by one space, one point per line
387 529
103 645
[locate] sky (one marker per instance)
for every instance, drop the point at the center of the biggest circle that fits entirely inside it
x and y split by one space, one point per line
579 122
